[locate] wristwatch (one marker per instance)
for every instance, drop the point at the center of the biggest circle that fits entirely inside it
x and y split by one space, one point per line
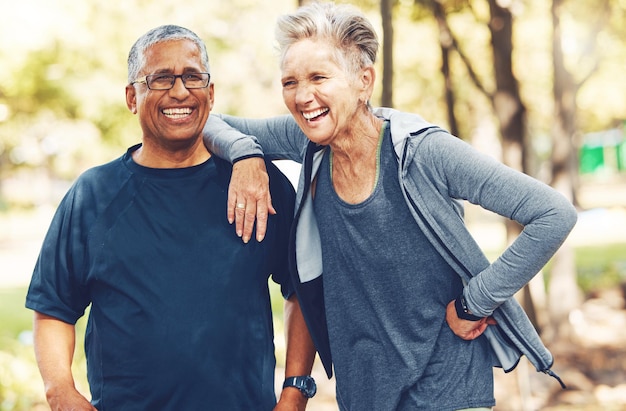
305 383
462 311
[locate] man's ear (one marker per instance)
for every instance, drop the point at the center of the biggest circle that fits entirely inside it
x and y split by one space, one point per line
131 98
211 96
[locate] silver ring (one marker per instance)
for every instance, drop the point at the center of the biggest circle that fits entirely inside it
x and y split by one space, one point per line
241 206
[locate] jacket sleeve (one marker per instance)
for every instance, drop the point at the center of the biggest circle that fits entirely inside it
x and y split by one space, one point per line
546 216
227 142
276 138
235 138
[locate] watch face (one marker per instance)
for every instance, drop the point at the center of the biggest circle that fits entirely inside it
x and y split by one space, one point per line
306 385
309 387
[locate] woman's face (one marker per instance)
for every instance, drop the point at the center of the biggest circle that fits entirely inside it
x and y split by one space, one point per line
322 96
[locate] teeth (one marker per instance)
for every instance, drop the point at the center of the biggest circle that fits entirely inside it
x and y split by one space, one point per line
312 114
177 112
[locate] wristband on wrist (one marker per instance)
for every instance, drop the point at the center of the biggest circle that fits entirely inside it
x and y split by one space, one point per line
462 311
247 157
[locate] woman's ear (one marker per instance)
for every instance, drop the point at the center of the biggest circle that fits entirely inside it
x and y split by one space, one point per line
369 76
368 80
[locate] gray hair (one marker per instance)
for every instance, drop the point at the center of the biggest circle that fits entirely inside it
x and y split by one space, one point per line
136 56
342 25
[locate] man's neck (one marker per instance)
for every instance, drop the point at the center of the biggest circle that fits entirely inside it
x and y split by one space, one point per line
166 157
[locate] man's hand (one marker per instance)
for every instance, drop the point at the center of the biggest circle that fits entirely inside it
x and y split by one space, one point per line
68 400
249 198
467 330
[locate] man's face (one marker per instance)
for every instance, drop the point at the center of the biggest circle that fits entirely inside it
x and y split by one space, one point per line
171 119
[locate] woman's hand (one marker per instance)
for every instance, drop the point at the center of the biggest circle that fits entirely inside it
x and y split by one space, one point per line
465 329
249 198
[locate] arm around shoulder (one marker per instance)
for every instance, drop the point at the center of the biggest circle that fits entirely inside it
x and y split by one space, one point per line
276 138
228 142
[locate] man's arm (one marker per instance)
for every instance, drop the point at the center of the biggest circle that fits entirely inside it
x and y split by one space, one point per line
300 355
54 350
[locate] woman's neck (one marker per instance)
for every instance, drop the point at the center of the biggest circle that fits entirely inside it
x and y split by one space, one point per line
354 163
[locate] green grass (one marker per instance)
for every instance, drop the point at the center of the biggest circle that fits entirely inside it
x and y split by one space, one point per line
14 317
21 387
600 267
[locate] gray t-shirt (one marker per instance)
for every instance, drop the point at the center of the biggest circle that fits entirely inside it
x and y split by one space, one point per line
386 289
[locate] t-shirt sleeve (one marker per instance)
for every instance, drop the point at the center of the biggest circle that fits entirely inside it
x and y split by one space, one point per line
57 288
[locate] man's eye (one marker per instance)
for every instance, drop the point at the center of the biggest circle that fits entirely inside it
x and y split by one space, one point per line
162 79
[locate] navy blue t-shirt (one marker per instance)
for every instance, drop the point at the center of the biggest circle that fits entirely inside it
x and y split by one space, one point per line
180 312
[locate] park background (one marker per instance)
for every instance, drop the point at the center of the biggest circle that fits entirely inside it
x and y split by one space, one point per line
62 110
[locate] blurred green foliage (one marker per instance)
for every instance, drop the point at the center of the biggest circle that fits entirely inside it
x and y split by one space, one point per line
600 268
63 73
14 321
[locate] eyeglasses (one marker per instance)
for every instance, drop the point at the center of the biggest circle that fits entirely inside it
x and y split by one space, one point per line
166 81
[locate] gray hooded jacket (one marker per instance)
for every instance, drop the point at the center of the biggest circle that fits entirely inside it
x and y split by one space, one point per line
436 171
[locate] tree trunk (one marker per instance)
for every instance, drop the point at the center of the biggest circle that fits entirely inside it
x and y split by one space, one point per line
446 44
511 113
507 103
563 292
386 12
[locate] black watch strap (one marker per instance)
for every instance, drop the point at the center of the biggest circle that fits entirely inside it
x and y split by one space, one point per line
305 383
462 311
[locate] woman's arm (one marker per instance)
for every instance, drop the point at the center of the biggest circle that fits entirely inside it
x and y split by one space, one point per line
547 217
233 139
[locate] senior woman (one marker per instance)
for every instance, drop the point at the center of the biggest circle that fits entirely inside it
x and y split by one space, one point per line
408 310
